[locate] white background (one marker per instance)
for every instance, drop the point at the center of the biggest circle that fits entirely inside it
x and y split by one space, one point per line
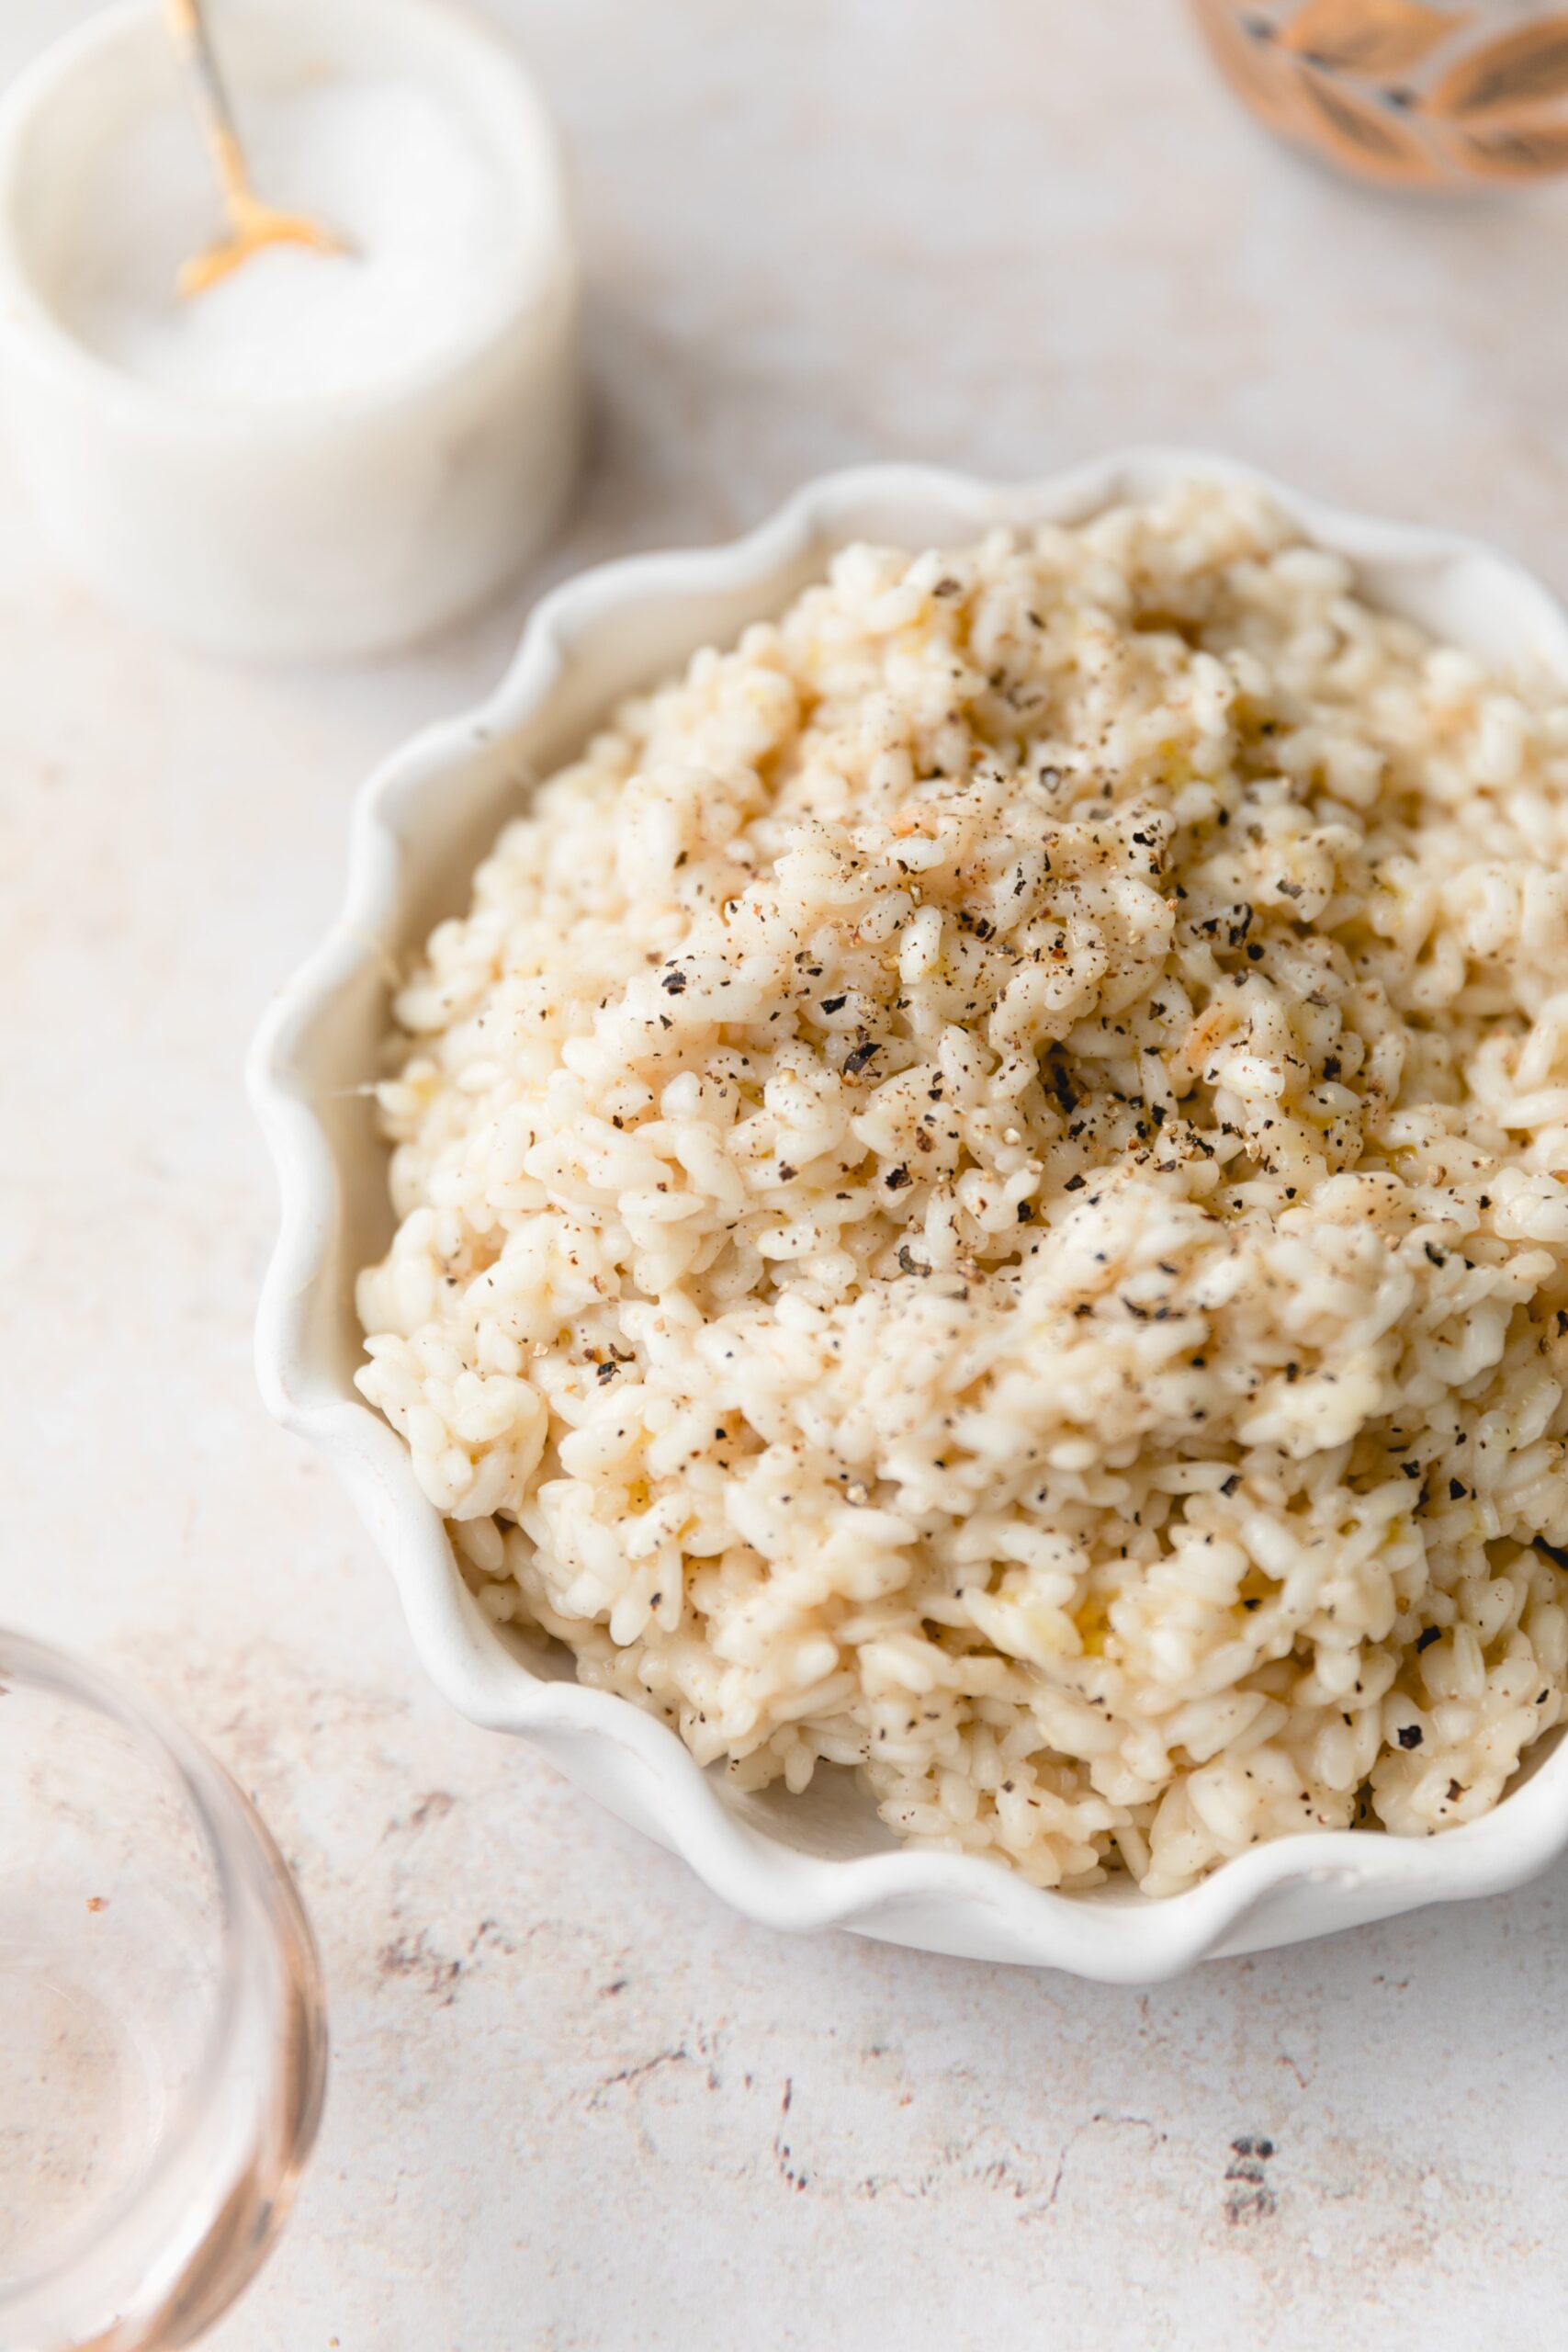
574 2103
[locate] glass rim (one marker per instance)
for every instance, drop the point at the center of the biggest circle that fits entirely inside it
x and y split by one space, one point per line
207 1794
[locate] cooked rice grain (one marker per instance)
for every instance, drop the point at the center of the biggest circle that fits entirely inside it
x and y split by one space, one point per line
984 1196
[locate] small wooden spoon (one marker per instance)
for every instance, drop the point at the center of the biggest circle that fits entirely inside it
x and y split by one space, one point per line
253 224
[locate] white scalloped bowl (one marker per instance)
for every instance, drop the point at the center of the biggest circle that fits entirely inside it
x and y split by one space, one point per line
420 828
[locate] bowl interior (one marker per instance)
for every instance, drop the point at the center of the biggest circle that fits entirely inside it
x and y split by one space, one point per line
122 69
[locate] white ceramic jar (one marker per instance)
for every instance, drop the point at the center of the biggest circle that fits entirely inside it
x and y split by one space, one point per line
327 524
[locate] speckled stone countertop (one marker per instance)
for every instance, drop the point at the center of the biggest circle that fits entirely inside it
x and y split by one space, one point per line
575 2104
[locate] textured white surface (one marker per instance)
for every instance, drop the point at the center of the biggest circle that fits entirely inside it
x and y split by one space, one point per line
576 2105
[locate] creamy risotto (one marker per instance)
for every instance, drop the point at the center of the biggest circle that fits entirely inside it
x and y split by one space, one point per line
984 1196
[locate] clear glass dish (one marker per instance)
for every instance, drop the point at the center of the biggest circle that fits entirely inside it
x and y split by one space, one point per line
163 2036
